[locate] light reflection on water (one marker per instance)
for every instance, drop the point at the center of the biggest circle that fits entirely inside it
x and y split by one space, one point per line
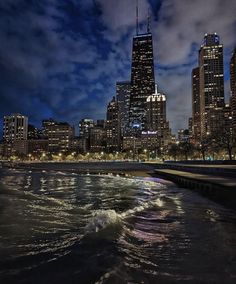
106 229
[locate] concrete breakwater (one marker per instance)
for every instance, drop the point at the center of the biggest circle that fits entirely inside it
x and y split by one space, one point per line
216 182
212 169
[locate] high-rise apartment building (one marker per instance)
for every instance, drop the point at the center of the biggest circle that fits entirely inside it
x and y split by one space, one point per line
15 131
142 79
156 116
233 72
113 126
84 127
211 76
59 135
196 121
84 132
190 127
156 111
233 90
97 138
123 99
15 128
46 126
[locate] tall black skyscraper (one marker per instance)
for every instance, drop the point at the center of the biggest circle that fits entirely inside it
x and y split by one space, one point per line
142 78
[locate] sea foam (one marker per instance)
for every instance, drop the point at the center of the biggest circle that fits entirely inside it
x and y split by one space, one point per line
102 219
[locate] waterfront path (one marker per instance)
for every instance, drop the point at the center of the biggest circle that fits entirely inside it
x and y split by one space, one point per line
218 185
201 168
223 182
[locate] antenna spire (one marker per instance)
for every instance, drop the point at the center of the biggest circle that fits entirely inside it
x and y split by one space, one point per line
137 24
148 21
156 88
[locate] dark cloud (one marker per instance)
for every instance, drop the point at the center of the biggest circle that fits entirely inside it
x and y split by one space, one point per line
40 59
62 58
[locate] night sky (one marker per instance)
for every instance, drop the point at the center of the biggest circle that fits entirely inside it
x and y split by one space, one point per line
62 58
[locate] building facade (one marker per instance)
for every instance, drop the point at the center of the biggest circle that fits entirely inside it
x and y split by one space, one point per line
37 147
156 120
142 79
233 91
211 76
15 131
84 127
59 134
97 139
123 99
46 126
183 135
196 119
34 132
84 131
113 135
132 144
15 127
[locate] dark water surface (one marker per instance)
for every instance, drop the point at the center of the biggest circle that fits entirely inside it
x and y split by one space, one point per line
58 227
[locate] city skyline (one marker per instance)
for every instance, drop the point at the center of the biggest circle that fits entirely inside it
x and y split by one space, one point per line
117 141
52 72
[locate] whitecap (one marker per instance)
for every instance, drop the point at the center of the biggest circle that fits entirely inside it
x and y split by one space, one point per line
102 219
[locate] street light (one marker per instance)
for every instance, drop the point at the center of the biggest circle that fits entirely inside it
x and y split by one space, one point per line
88 156
73 155
161 149
145 151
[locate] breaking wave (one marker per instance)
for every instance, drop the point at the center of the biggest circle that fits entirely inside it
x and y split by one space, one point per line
103 219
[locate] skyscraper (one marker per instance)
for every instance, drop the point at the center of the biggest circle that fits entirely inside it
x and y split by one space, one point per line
97 139
233 90
15 127
233 72
156 116
196 122
85 125
156 111
123 99
211 76
142 78
113 126
15 130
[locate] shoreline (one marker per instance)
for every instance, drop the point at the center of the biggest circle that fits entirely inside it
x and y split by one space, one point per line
221 189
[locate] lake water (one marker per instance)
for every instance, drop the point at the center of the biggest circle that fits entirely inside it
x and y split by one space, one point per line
58 227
